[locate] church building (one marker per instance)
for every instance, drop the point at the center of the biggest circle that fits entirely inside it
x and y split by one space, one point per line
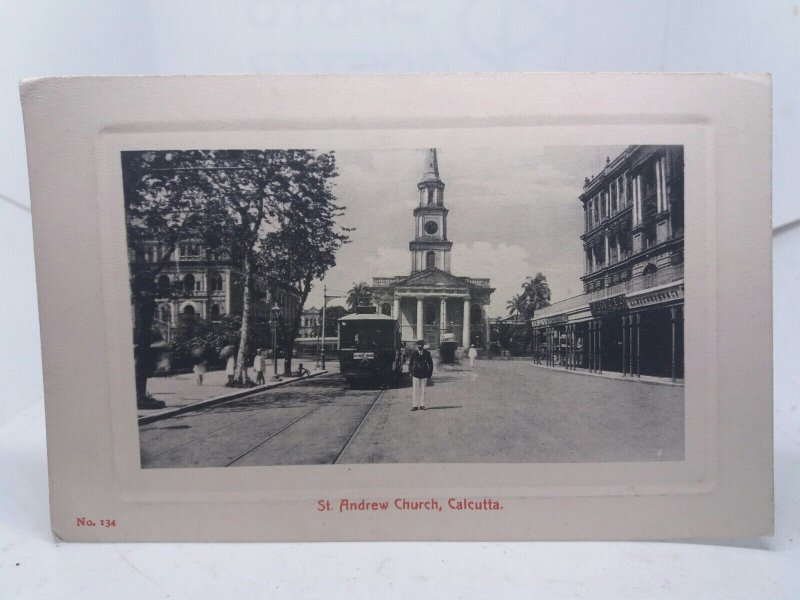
432 303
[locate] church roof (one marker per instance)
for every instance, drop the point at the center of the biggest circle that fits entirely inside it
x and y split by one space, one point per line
431 167
434 276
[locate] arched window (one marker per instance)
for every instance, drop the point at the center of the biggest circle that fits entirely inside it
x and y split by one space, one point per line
188 283
163 285
386 309
215 282
188 311
430 195
215 312
649 275
430 259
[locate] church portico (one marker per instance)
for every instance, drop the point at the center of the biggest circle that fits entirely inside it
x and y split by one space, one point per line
432 314
431 302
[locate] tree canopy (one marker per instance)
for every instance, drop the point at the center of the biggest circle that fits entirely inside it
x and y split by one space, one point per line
358 295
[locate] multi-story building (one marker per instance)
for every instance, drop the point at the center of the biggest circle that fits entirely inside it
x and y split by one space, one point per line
630 317
431 302
197 282
310 323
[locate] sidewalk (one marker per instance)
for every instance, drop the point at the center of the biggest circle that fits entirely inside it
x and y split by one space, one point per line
179 391
615 375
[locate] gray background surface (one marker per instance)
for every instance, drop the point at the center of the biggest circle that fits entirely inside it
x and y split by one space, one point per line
80 38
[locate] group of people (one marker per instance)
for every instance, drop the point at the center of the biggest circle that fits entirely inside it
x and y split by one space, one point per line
259 367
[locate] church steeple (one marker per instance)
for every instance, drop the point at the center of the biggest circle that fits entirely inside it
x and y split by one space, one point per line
431 188
430 247
431 167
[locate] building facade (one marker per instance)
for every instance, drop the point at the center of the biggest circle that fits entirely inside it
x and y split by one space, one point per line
431 303
310 323
199 283
630 317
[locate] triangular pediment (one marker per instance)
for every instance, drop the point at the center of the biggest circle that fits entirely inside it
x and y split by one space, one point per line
432 277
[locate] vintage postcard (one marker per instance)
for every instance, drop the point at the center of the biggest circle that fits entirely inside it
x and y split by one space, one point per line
453 307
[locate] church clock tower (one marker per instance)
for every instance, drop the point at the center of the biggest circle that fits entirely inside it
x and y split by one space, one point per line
430 247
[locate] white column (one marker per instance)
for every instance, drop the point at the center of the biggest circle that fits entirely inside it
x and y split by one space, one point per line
465 328
488 329
608 250
663 163
637 200
227 292
420 332
443 314
396 310
659 198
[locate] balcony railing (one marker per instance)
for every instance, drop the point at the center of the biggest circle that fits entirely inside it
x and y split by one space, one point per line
663 276
383 280
480 282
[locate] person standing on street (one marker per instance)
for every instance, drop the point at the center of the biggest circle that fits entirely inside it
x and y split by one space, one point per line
258 367
473 354
200 370
420 366
230 370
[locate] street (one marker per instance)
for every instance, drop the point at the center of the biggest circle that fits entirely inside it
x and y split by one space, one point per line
503 411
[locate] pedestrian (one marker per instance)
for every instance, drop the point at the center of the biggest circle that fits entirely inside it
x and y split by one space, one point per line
200 370
473 354
420 366
230 369
258 367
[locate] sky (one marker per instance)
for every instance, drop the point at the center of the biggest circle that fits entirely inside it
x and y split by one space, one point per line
513 212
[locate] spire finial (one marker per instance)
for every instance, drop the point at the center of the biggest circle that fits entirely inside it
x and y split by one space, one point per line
431 166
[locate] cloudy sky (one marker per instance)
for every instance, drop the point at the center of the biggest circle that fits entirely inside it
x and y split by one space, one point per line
513 212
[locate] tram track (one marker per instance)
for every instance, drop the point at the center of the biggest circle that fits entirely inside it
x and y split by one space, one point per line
340 436
303 416
355 431
237 422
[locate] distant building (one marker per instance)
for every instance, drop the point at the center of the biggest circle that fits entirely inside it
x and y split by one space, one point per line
197 282
310 323
432 302
630 317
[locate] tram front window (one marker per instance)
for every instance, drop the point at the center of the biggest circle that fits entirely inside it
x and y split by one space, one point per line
365 336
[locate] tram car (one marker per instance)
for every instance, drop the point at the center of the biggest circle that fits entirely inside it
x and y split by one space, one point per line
370 349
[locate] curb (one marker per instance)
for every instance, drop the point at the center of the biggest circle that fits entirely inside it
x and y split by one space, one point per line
166 413
613 378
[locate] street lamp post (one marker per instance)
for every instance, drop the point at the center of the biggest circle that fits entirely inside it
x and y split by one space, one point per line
324 310
274 314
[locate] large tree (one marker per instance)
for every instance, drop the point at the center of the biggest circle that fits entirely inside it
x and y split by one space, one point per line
302 246
333 314
245 191
160 211
518 305
537 293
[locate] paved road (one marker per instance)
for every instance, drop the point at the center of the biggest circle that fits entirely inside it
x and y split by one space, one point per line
500 412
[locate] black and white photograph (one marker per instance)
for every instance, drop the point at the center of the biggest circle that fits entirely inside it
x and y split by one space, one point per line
446 304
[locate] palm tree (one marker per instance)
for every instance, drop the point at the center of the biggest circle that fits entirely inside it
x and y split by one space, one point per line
359 295
518 305
537 293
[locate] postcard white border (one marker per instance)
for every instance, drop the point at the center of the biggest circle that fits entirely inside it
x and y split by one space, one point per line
75 130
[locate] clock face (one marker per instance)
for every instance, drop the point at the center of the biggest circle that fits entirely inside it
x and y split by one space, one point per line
431 227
